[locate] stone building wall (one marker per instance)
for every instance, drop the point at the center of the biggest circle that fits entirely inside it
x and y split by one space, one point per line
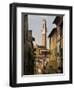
56 47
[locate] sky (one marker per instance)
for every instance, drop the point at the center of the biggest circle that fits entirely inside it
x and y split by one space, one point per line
34 24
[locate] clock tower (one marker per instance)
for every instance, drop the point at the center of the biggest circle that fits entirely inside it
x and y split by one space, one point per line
44 31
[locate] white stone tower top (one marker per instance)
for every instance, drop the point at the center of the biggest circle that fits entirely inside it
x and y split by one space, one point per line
44 31
43 26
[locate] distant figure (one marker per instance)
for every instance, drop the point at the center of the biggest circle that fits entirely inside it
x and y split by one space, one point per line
28 59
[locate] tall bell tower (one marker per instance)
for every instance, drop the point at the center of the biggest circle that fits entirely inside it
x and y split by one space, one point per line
44 31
